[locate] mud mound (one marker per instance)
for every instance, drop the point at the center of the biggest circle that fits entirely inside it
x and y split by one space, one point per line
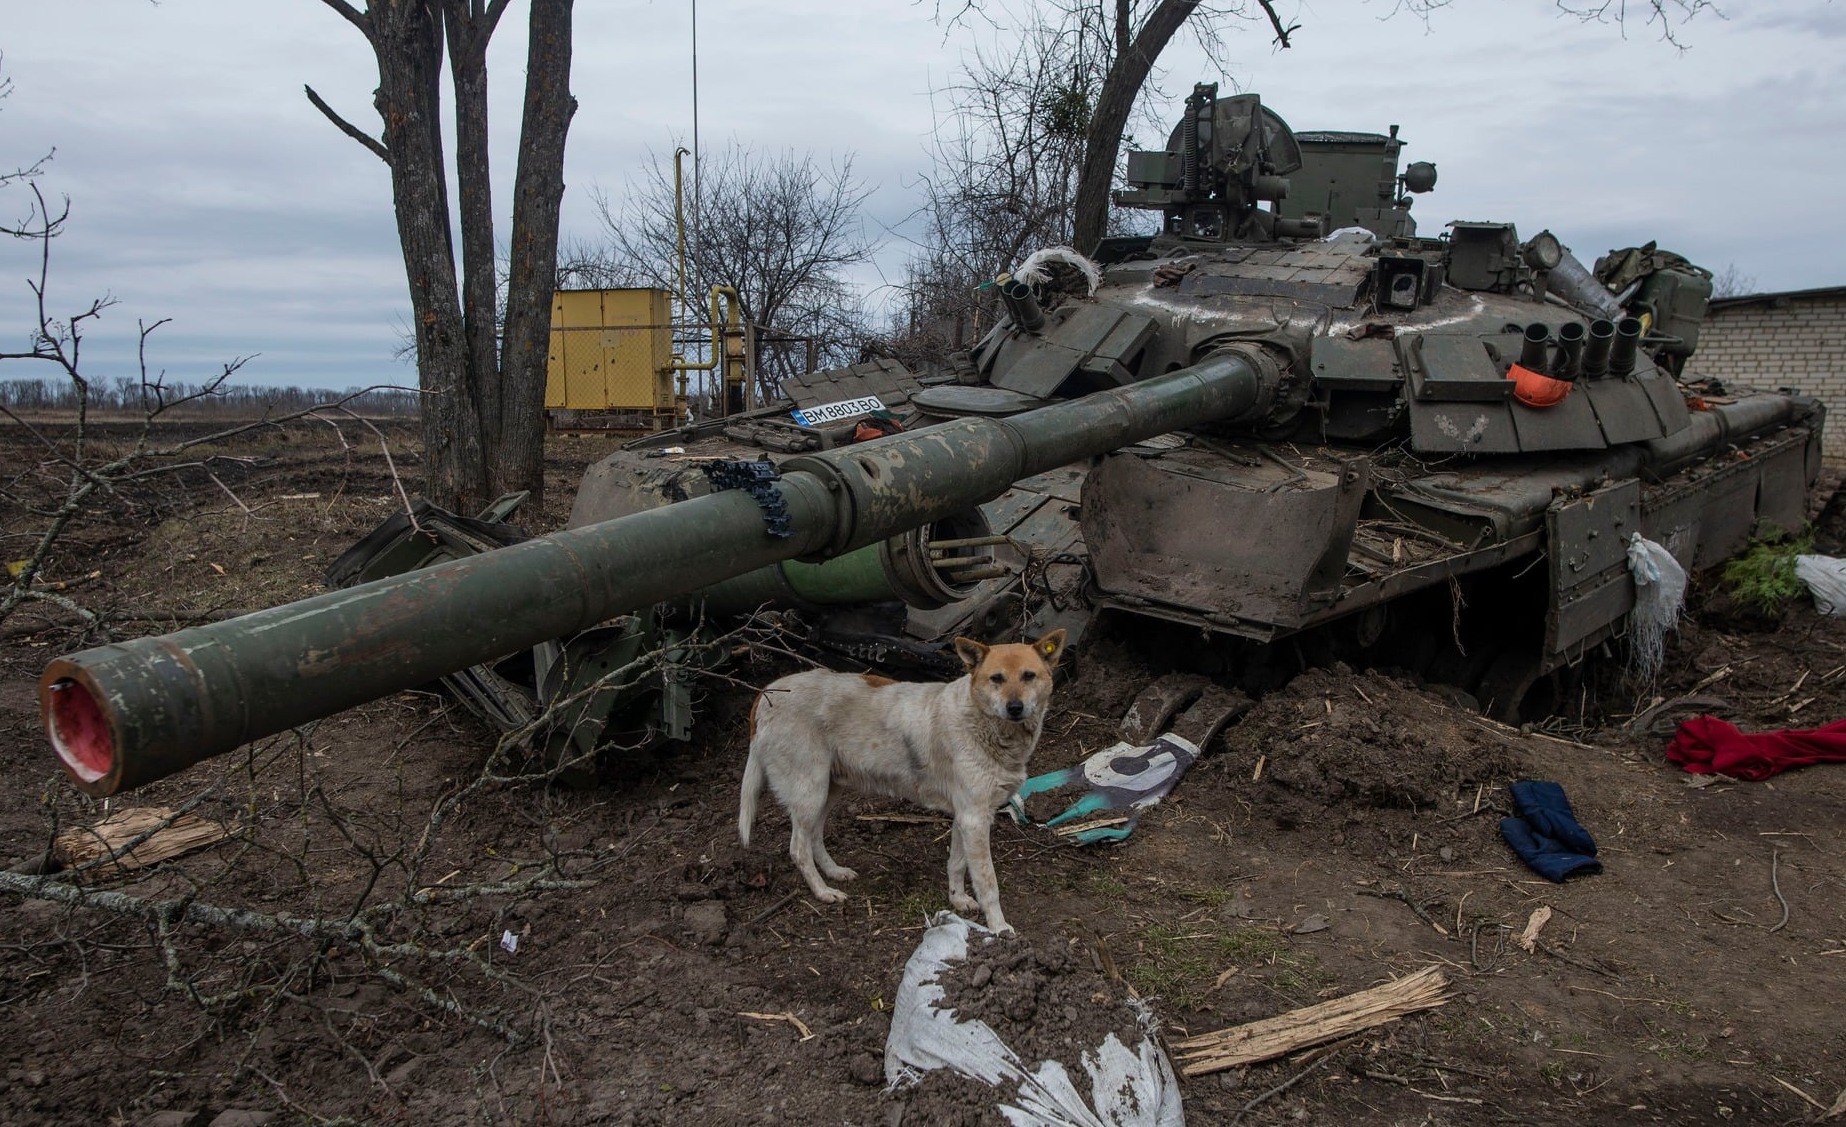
946 1098
1039 996
1043 999
1333 737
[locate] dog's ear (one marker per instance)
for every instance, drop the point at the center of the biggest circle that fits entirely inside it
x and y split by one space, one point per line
971 652
1050 647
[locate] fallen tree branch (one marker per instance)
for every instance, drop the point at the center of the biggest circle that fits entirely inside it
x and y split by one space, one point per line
1400 895
121 614
355 932
1325 1056
1563 958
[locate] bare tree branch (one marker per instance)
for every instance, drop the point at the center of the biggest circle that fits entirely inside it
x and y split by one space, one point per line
348 128
352 15
1275 22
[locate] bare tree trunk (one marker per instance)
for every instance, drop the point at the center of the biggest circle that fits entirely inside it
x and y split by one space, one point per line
1135 53
538 192
468 29
482 400
407 39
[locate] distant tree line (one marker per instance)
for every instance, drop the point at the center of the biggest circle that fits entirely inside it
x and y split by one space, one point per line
227 400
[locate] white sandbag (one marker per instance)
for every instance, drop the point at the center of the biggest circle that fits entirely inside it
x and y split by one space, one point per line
1826 580
1129 1087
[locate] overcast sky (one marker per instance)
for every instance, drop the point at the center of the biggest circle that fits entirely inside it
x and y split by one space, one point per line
205 189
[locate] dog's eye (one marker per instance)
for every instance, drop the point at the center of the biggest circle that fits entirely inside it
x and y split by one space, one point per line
1028 676
998 678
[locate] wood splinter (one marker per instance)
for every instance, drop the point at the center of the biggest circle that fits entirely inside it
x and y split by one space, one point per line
1277 1036
113 839
806 1033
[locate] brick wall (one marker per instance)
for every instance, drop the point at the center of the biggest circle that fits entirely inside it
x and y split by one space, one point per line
1789 341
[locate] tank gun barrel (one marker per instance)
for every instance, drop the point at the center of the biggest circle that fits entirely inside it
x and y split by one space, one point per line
126 714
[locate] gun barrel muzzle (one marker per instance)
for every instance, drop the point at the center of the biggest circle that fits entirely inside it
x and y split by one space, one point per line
1627 344
1596 353
1022 304
1535 351
1570 350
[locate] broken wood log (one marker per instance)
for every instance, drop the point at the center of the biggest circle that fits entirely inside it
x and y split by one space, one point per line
1277 1036
135 839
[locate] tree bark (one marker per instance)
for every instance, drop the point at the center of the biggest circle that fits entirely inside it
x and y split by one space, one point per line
468 29
1134 59
407 39
538 193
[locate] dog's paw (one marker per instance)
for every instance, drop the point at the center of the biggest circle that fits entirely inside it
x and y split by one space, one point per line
962 902
839 872
830 895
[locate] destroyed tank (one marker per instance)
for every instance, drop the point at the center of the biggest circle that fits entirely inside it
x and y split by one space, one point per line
1449 446
1286 428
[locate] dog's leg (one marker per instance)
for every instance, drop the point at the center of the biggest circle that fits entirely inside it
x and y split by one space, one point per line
807 815
958 873
974 827
833 870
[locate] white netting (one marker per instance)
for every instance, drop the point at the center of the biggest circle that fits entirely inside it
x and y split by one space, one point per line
1659 596
1033 270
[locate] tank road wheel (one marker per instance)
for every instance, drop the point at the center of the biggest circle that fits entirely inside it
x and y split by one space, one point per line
1512 689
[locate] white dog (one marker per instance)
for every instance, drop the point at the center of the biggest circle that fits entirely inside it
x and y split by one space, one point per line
960 748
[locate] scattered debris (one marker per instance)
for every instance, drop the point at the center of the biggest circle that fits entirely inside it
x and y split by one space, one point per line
1272 1037
1122 777
787 1016
1816 1104
1775 863
1664 716
1400 895
1535 924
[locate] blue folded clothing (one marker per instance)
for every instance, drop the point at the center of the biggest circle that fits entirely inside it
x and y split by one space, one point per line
1546 834
1546 810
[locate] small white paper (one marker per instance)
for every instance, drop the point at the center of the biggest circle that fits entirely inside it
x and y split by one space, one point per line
509 942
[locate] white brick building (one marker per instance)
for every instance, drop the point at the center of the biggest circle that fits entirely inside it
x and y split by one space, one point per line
1794 339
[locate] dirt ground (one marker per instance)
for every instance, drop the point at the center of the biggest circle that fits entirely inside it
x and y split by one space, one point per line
1343 833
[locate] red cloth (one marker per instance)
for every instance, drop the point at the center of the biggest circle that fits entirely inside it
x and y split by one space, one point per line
1706 744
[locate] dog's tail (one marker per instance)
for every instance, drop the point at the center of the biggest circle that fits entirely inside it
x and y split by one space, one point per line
753 789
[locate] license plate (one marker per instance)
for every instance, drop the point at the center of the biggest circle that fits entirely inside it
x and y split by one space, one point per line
834 412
